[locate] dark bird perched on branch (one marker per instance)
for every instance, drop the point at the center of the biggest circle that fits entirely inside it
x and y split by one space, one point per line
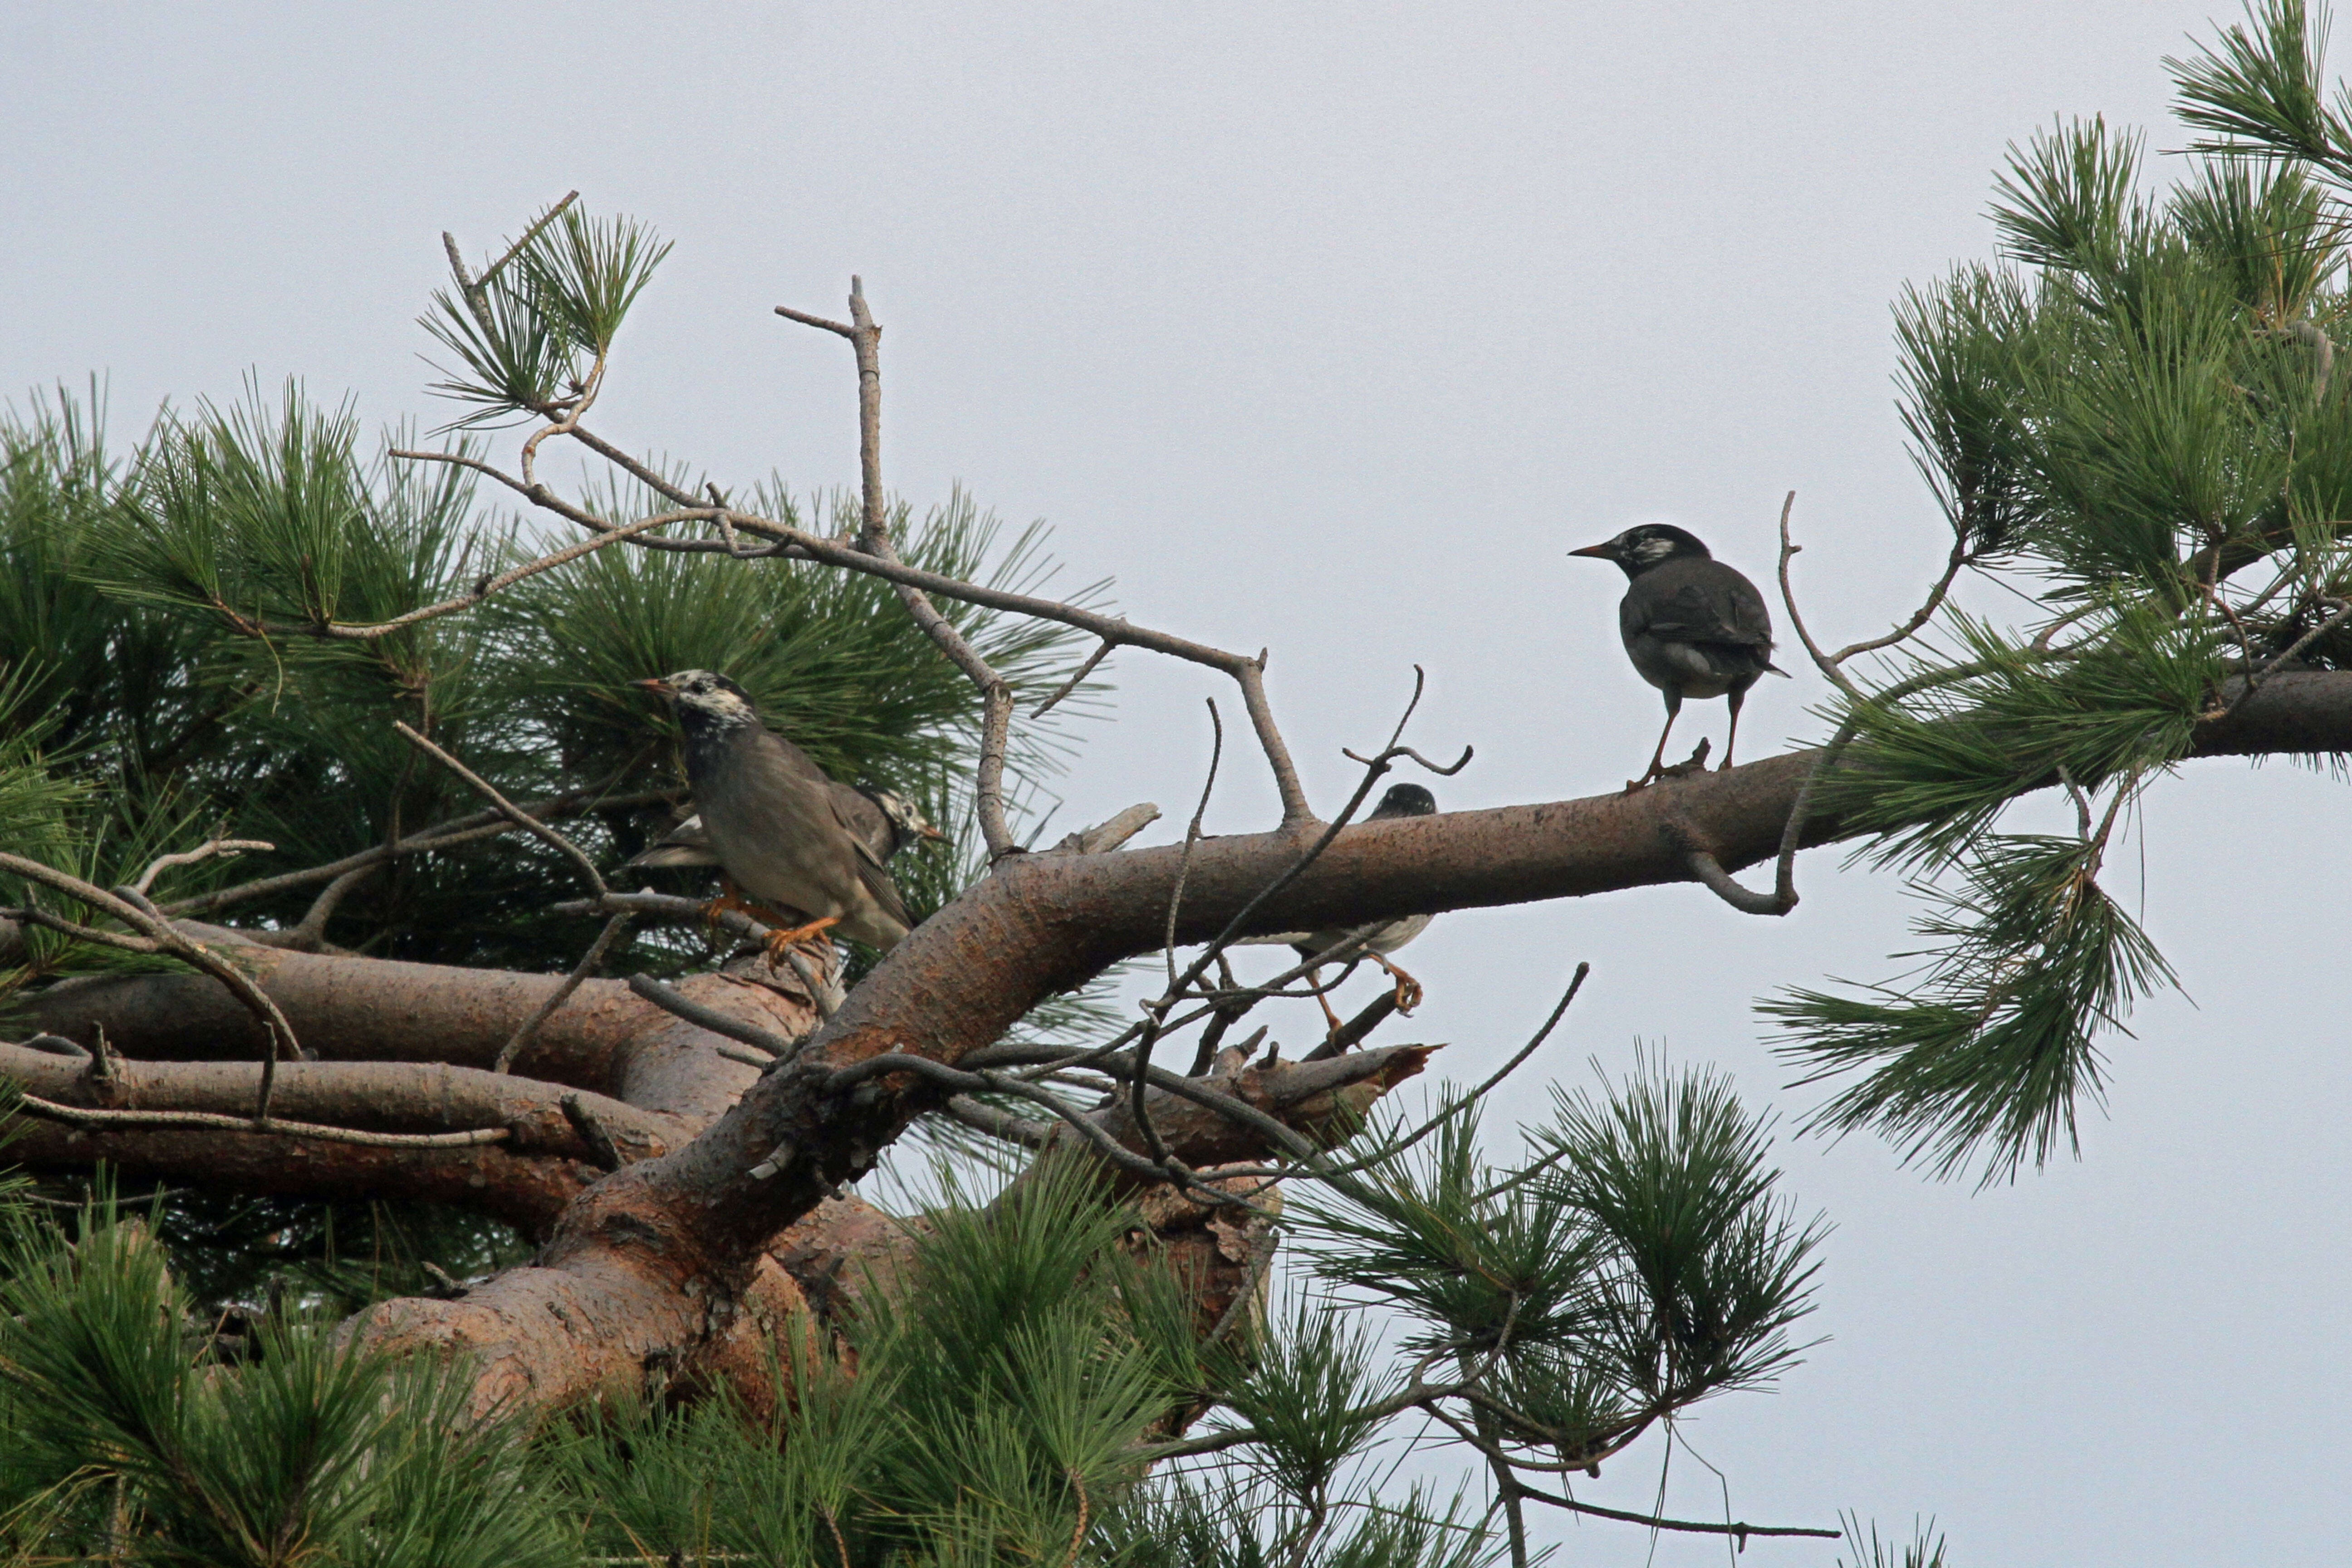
779 827
884 820
1375 941
1692 626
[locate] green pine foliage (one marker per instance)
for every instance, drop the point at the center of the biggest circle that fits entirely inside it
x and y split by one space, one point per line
124 1445
194 578
175 664
1641 1262
2136 417
1985 1054
1028 1391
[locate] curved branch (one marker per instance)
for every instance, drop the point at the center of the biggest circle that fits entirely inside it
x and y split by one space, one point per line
612 1284
374 1127
1248 673
161 937
447 835
354 1009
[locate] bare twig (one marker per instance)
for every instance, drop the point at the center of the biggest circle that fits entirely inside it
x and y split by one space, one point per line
1742 1531
1104 836
204 851
569 420
495 268
982 1116
467 287
776 1047
1126 1160
1706 868
668 906
822 993
1157 1013
1102 651
161 937
311 933
1443 771
1830 663
77 1116
1920 617
563 994
2254 679
1575 984
447 835
508 809
865 337
1823 661
487 587
1192 835
855 555
1353 1033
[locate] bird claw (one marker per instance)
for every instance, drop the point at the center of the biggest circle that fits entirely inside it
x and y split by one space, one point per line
1661 772
725 904
779 942
1409 993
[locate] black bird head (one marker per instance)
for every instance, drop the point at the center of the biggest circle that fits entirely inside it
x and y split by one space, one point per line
905 822
1649 544
703 699
1405 800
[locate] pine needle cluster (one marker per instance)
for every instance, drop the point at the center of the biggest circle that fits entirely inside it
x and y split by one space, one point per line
1036 1385
2135 416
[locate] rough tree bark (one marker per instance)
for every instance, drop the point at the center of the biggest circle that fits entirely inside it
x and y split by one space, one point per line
728 1214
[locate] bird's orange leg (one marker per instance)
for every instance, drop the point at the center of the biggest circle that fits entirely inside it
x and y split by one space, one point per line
1314 978
1731 739
780 940
1408 990
782 934
730 898
1657 767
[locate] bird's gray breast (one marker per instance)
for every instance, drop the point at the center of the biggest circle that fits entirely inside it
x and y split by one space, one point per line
771 826
1383 937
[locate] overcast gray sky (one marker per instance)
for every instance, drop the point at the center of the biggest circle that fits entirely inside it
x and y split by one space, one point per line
1330 329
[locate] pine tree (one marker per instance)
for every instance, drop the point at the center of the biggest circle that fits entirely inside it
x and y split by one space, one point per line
373 709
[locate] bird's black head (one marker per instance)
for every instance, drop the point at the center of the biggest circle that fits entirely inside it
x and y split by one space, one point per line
907 823
1405 800
704 697
1649 544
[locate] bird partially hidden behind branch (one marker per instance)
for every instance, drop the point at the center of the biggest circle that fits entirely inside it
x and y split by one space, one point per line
1374 941
784 833
1692 626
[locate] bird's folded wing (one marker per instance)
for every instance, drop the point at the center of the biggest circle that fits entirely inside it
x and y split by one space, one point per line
870 871
672 857
684 845
1691 613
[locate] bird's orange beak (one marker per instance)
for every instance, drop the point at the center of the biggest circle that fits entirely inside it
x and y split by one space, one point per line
657 686
933 833
1600 552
